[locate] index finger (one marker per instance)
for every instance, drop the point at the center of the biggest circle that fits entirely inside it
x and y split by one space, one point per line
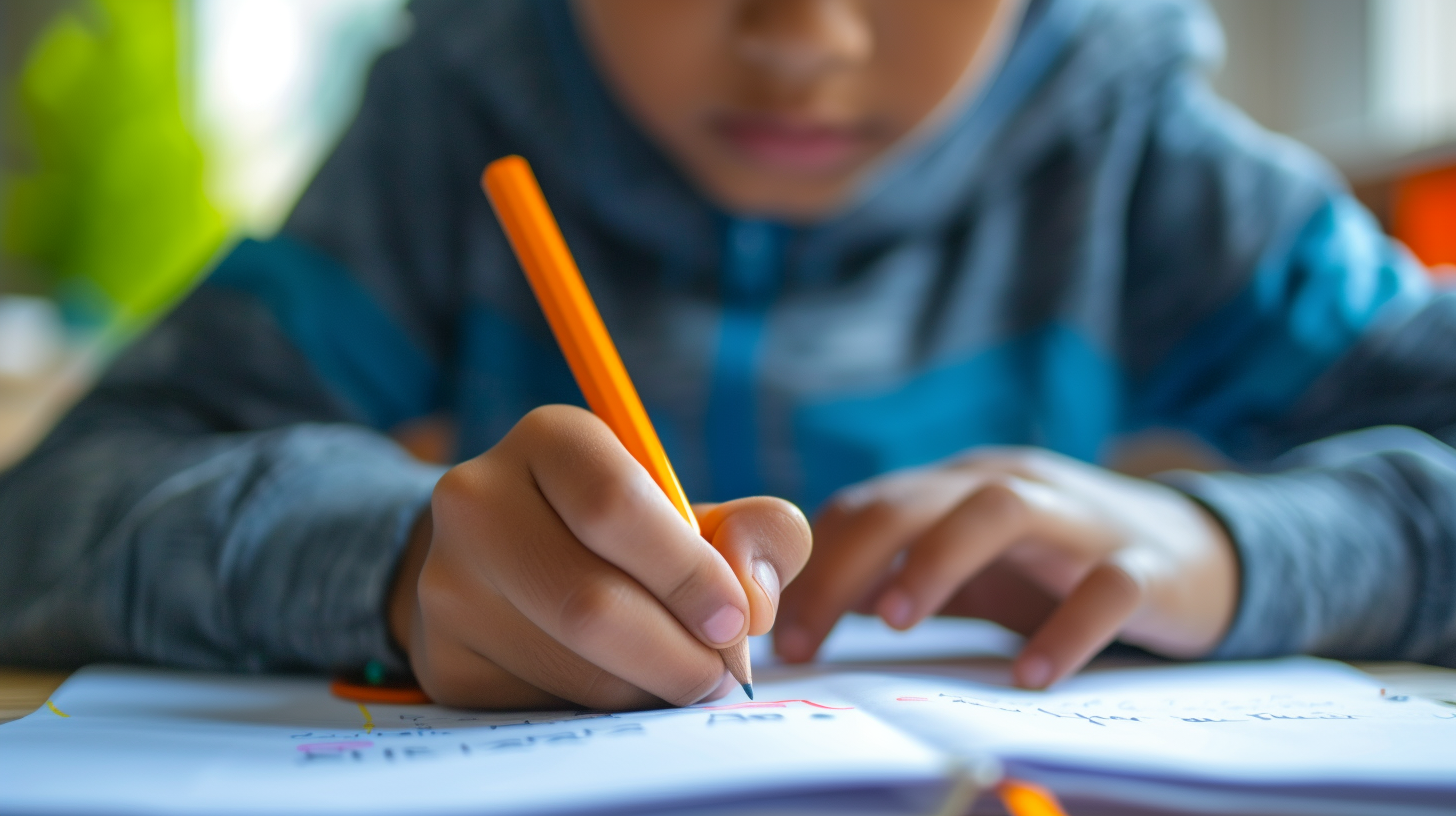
517 544
1089 619
613 507
857 538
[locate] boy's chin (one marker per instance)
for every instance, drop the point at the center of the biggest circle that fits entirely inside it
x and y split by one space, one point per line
794 198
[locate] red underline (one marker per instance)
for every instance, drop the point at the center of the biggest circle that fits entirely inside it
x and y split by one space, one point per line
777 704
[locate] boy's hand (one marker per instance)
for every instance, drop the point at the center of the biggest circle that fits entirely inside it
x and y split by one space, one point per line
1069 554
552 568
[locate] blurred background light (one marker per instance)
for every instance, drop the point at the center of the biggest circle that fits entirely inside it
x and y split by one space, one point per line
1369 83
1413 73
250 60
136 137
276 81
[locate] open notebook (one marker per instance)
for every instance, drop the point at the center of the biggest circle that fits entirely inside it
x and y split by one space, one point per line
1288 736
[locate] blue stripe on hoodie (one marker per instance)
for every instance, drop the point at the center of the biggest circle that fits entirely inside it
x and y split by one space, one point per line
753 255
1311 299
351 340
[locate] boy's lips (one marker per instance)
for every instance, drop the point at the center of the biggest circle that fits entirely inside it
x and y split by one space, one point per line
788 144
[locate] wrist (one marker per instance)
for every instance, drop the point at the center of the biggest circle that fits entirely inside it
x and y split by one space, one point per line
1193 587
1219 580
1212 598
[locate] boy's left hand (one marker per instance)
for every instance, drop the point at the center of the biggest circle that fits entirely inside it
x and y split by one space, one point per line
1069 554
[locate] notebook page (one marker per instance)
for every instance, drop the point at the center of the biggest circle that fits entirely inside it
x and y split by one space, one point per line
859 639
127 740
1310 726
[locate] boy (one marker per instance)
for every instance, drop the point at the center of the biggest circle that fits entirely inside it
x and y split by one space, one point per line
844 246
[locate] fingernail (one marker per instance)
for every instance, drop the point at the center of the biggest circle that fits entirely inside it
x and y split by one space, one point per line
725 624
792 644
896 608
1034 672
768 580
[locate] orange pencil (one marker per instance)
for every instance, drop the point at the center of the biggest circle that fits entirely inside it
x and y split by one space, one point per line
1028 799
534 235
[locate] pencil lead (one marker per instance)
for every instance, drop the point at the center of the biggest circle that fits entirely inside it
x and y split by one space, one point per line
748 689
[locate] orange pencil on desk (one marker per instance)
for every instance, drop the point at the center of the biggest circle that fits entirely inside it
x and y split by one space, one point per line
534 235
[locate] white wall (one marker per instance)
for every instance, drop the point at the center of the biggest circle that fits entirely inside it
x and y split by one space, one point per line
1370 83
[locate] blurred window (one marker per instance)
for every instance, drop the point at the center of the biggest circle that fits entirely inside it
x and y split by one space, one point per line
1369 83
1414 71
276 82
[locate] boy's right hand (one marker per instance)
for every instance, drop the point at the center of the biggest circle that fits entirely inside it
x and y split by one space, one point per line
552 568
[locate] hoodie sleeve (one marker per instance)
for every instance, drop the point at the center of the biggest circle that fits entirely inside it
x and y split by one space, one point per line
1347 550
211 505
227 496
1266 311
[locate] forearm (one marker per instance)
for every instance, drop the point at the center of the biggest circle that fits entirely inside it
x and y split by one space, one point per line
262 550
1350 553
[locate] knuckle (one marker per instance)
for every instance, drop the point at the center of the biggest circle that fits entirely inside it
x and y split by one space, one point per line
435 599
464 492
542 420
853 499
555 423
449 490
1001 500
1123 578
609 502
974 458
683 588
880 510
1022 454
835 509
1004 458
584 612
439 594
546 429
1023 462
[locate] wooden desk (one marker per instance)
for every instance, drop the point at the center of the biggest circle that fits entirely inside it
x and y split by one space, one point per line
28 408
23 691
1415 679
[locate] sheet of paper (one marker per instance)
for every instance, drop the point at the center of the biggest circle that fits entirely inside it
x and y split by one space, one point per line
867 639
1278 733
126 740
1297 736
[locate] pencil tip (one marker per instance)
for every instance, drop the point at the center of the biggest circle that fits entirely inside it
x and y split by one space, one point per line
748 689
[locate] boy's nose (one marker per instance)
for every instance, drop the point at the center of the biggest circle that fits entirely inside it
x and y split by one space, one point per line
802 39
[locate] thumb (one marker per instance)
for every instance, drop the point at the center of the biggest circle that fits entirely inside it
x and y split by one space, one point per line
766 541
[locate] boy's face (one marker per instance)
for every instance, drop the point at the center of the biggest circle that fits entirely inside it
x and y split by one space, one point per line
778 107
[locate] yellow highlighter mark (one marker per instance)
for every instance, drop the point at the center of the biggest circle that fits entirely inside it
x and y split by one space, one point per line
368 720
56 711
